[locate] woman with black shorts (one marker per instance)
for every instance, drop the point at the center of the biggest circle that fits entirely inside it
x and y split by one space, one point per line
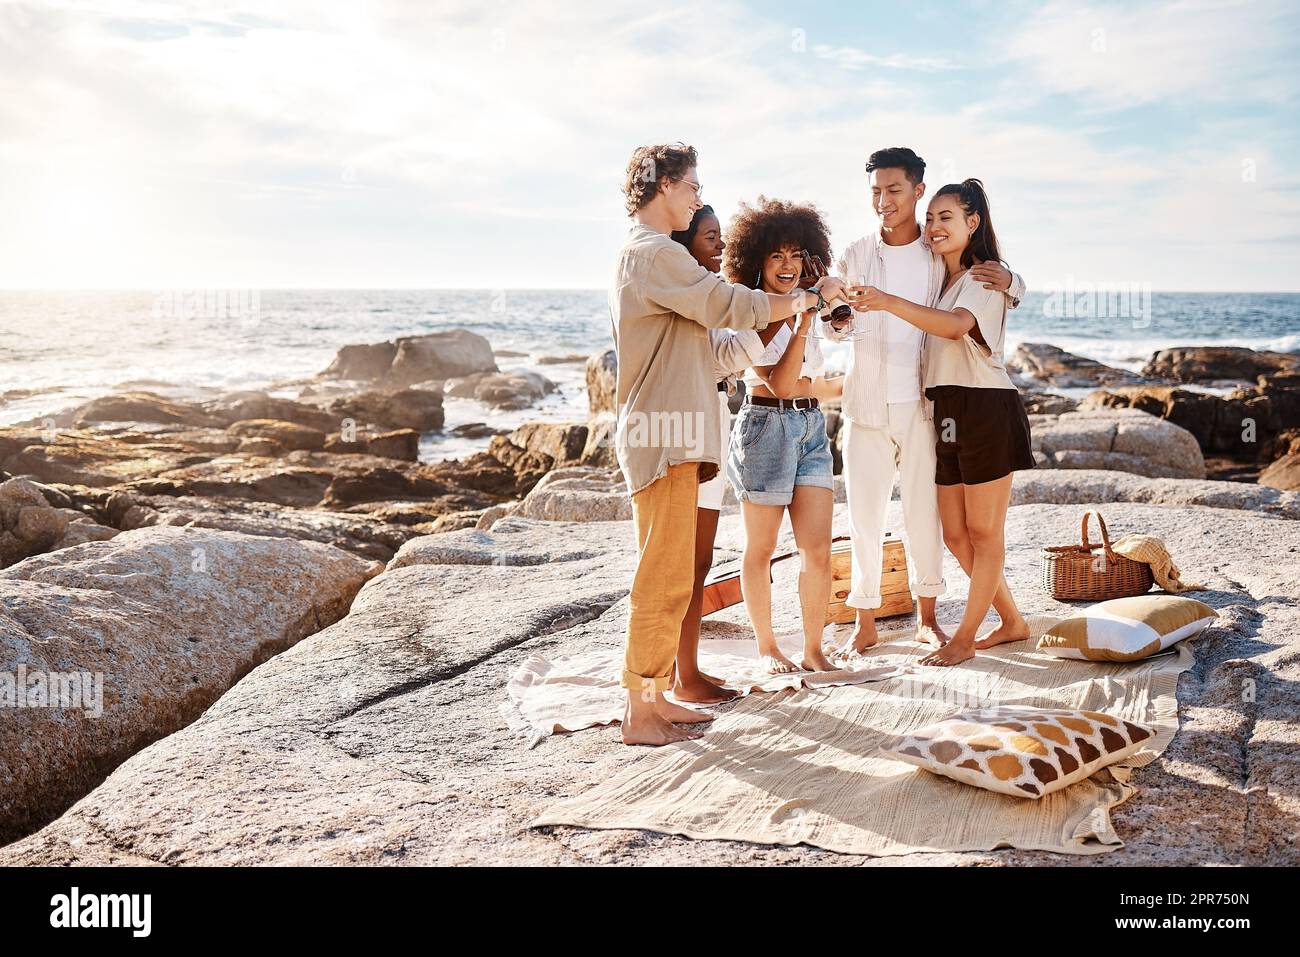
983 432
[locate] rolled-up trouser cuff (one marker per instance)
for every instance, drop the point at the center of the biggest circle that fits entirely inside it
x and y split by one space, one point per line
867 602
635 682
922 590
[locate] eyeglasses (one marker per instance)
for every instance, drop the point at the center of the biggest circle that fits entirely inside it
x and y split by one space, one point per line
699 190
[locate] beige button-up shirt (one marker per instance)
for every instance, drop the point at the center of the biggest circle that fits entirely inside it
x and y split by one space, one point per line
662 304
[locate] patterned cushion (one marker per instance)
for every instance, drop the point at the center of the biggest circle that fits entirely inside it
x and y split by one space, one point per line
1126 629
1026 752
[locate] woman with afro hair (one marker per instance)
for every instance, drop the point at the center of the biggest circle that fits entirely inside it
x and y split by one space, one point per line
779 457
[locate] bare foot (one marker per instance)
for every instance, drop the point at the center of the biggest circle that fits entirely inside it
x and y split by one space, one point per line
702 692
932 633
814 659
774 661
1005 632
864 636
777 664
650 729
677 714
954 652
720 682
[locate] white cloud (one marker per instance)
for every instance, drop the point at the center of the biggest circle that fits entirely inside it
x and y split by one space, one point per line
454 145
1116 56
851 58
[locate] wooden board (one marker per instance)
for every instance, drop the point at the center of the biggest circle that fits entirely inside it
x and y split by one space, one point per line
722 588
895 595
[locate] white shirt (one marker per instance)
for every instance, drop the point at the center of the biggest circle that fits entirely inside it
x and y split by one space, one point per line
907 274
814 363
734 351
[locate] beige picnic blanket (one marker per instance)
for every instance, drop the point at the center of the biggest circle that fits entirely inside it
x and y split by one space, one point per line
569 693
804 766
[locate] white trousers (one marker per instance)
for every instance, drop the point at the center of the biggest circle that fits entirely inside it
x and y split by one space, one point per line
871 458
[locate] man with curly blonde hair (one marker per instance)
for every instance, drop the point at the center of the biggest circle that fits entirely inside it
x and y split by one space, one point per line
662 302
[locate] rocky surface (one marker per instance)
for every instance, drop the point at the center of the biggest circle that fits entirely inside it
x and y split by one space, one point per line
1047 365
379 739
1047 403
82 457
1116 439
171 618
251 474
1246 424
36 519
1218 364
1094 487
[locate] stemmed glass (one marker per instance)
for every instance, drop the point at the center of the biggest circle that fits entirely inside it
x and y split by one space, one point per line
813 270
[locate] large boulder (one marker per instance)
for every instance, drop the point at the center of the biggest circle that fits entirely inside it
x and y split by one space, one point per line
154 625
1124 440
418 409
401 444
579 494
407 631
563 442
536 448
29 524
1049 365
1218 364
258 405
412 359
364 362
504 390
288 435
602 383
600 450
1283 474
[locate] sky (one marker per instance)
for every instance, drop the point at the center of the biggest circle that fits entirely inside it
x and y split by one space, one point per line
482 145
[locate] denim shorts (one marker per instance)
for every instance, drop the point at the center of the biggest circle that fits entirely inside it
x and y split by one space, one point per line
773 450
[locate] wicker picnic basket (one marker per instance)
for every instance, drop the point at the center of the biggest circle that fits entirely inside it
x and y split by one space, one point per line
1090 572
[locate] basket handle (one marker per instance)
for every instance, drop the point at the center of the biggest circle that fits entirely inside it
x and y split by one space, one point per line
1105 535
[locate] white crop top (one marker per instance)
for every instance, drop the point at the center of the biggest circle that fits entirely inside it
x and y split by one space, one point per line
814 363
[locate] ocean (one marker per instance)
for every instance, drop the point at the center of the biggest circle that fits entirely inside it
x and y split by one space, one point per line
61 348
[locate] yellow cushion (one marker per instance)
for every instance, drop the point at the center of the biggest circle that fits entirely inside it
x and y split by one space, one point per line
1126 629
1021 751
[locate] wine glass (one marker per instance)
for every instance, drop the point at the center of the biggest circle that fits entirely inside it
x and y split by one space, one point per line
818 329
